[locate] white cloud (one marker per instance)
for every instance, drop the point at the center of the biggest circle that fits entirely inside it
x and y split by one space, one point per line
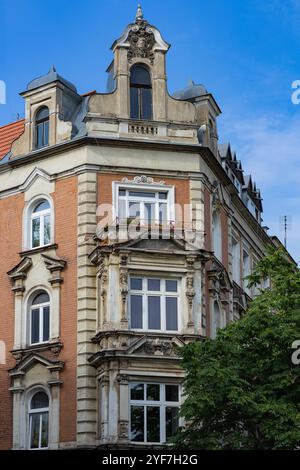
269 149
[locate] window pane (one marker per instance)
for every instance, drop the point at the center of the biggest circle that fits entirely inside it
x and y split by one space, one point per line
122 192
44 440
163 195
35 326
146 95
136 311
171 314
46 323
47 229
141 194
122 210
171 286
153 392
35 431
136 284
134 209
154 284
39 135
46 133
172 393
149 212
36 232
134 103
137 424
139 75
163 212
137 391
43 113
39 400
153 424
171 421
41 298
153 313
42 206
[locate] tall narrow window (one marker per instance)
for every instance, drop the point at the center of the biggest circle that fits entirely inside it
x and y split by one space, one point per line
217 234
236 260
217 320
40 318
246 271
140 93
42 128
40 224
39 421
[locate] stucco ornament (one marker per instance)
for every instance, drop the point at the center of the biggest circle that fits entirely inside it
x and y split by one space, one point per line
141 39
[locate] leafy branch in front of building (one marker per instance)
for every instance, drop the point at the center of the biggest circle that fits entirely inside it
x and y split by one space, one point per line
242 390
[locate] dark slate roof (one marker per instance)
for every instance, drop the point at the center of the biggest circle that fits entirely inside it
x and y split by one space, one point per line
52 76
191 91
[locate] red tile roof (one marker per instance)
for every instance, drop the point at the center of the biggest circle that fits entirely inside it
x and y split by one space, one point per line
8 134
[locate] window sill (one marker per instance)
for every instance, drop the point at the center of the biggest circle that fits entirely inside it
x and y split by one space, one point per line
39 249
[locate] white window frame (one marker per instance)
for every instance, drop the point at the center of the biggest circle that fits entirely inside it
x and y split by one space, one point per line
217 236
236 263
215 330
39 307
162 404
144 293
244 273
29 215
156 188
39 411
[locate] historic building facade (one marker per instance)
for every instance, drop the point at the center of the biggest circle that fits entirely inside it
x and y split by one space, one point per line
126 232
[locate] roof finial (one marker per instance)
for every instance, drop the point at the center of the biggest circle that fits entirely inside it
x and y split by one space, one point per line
139 14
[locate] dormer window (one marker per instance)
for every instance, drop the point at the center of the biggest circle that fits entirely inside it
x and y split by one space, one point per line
42 128
140 93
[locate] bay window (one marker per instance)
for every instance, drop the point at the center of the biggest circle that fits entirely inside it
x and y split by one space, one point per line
154 304
154 411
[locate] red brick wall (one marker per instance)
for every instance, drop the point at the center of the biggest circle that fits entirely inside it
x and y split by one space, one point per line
224 228
11 215
65 203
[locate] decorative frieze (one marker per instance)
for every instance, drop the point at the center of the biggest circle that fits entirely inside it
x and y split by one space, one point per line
143 179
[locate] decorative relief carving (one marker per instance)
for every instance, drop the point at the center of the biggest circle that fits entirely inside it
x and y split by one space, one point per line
142 41
158 348
190 294
142 179
122 379
124 291
123 429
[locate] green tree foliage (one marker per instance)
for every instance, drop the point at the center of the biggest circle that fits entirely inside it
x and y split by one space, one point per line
242 389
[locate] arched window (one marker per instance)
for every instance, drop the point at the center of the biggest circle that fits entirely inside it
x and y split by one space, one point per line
39 318
216 323
217 234
40 224
140 93
39 421
42 127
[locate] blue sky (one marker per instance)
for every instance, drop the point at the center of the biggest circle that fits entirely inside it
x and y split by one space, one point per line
246 52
